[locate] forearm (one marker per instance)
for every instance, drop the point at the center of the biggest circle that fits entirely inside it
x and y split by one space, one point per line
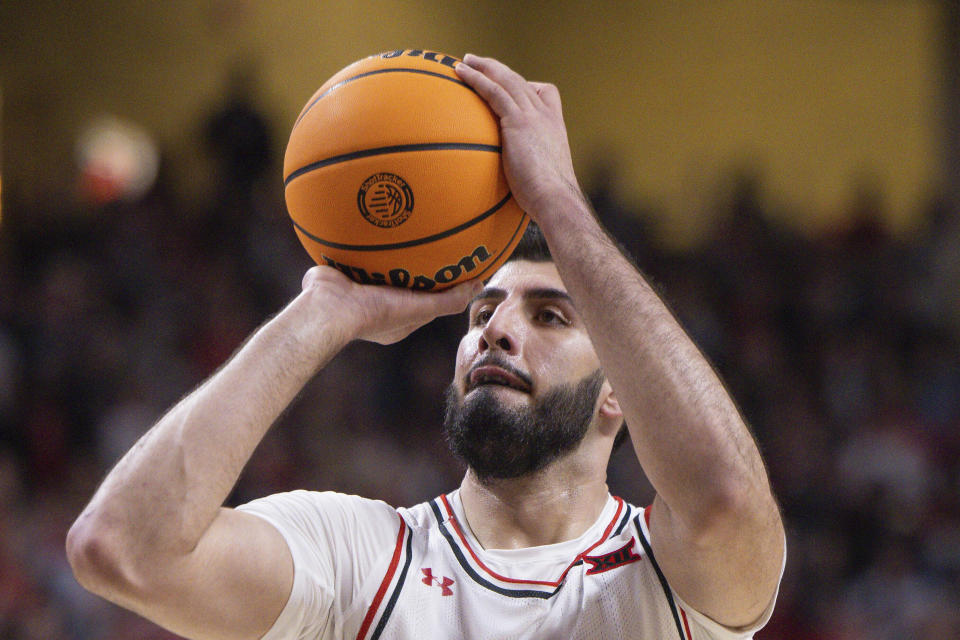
688 434
165 492
715 529
155 538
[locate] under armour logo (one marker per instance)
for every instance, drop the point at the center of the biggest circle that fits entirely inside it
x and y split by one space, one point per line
444 584
606 562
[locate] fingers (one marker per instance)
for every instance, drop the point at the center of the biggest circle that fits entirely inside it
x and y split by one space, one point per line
385 314
513 82
410 310
420 307
496 96
548 93
501 86
455 299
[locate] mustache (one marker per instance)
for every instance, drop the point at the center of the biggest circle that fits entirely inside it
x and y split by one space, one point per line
498 361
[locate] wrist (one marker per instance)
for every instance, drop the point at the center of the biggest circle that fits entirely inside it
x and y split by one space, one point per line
320 321
562 211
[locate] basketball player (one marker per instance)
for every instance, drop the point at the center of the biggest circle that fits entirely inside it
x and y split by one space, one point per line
559 352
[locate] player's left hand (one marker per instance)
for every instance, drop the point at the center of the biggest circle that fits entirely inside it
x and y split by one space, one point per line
536 153
381 314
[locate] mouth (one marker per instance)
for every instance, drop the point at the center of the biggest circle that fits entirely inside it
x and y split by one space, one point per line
485 375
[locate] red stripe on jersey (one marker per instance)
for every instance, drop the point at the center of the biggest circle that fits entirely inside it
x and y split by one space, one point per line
556 583
368 619
646 514
686 625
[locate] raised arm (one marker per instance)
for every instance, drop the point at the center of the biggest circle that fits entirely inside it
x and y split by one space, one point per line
716 529
155 538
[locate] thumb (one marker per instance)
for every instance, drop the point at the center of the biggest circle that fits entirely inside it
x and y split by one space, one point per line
455 299
410 310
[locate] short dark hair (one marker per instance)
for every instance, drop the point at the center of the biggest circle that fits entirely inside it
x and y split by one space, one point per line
533 247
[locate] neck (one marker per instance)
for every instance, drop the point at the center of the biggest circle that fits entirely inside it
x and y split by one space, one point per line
550 506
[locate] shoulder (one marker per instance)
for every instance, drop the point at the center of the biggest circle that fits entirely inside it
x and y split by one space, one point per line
337 543
683 612
421 516
320 514
313 502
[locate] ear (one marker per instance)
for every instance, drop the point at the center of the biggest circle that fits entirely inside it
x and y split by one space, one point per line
609 406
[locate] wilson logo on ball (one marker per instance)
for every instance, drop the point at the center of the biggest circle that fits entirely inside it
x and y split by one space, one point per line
400 277
385 200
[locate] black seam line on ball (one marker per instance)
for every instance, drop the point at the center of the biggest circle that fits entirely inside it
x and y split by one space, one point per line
373 73
397 148
409 243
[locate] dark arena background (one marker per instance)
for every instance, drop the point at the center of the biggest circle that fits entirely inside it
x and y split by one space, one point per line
786 171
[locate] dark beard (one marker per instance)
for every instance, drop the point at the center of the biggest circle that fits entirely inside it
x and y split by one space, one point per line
500 443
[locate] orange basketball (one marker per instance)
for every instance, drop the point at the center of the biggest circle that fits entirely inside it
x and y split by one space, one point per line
393 175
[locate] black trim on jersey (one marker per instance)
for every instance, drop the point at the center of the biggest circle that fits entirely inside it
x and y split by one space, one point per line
663 579
623 523
396 590
522 593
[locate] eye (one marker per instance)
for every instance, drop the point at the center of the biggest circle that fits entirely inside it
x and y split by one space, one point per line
482 315
551 316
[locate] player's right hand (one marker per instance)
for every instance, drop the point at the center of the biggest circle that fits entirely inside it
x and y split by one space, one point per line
536 152
380 313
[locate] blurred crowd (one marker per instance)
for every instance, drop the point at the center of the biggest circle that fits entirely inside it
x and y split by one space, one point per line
842 348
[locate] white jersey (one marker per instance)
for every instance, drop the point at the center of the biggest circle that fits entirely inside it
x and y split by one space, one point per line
365 570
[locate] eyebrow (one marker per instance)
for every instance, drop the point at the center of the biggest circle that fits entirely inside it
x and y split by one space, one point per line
539 293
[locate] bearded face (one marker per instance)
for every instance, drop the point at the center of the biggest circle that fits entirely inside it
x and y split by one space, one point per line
500 442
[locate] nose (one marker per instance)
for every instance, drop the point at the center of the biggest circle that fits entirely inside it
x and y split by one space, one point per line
501 331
